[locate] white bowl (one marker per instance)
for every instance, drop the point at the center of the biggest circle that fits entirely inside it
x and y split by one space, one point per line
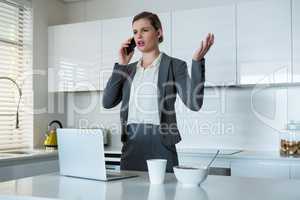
190 176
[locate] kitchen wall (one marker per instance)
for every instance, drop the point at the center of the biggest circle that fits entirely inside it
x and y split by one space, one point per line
231 117
47 106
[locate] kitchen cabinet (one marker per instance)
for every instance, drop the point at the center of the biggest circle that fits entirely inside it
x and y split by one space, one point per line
115 32
165 19
28 168
264 42
228 162
260 168
296 40
191 26
81 56
295 170
74 57
249 47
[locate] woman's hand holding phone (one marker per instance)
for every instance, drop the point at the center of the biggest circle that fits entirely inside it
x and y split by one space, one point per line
124 55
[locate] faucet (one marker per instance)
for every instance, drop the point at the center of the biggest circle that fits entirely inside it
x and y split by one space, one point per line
20 95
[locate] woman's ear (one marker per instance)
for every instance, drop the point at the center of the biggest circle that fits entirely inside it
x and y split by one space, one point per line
159 33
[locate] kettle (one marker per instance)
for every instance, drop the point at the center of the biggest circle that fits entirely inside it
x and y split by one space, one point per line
51 138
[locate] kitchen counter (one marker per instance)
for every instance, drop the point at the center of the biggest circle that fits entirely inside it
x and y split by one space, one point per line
214 188
224 153
27 163
271 155
117 150
8 158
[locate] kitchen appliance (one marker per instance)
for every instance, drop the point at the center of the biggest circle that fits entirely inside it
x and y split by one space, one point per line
50 141
290 139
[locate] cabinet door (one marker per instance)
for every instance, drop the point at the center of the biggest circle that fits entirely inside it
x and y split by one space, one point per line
260 169
115 32
296 41
264 42
165 19
53 58
295 170
28 169
293 92
191 26
74 56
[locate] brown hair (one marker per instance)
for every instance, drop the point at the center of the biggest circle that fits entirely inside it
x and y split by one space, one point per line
153 18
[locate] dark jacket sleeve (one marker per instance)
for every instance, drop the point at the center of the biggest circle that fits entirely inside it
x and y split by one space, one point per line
191 90
112 95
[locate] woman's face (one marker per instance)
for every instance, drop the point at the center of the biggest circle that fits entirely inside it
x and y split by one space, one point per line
145 35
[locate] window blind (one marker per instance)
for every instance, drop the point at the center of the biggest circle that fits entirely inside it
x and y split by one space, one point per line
16 63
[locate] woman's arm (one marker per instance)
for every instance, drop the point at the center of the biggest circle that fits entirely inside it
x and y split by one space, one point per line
191 90
113 91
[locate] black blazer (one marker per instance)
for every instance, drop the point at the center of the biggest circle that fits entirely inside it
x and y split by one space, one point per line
173 78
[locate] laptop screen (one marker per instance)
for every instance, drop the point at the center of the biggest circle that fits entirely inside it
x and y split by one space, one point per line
81 153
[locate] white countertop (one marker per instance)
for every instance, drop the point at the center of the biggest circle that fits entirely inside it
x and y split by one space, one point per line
225 153
9 158
117 150
271 155
214 188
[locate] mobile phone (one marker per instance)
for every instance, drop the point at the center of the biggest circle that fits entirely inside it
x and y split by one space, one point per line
131 46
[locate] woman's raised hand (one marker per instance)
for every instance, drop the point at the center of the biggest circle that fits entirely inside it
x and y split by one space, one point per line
124 59
204 47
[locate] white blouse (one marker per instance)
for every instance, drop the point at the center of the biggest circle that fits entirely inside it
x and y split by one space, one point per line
143 103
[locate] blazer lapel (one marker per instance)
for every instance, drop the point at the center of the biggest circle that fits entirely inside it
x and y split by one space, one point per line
162 79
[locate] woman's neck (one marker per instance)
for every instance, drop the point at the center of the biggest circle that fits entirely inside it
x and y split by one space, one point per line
149 57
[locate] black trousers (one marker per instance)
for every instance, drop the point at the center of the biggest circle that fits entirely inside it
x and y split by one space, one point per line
144 143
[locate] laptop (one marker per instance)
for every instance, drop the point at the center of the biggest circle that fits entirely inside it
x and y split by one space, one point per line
81 154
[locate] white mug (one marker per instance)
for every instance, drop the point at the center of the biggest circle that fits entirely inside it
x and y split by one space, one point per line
156 170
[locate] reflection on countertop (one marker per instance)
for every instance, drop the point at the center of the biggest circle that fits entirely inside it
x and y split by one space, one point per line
215 187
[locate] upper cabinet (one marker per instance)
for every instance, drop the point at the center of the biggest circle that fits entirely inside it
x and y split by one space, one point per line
191 26
264 42
114 32
74 57
256 42
296 40
165 19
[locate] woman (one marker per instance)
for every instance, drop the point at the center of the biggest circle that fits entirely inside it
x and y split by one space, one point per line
148 89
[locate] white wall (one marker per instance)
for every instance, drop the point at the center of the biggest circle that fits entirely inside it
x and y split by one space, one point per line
247 118
46 106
